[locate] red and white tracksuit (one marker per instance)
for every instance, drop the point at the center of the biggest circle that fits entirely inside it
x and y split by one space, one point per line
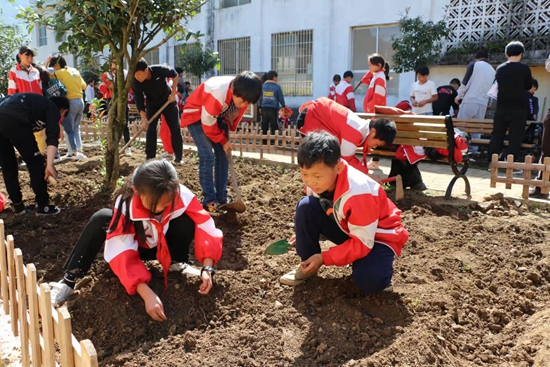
121 247
345 95
364 212
21 81
350 130
332 92
376 94
207 102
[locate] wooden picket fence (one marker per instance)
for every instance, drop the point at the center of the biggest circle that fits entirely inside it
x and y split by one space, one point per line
43 330
528 167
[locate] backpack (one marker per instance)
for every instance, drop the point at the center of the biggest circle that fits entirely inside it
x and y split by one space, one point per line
56 89
533 134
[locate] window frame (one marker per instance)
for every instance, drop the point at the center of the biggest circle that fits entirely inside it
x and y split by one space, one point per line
238 65
223 6
42 40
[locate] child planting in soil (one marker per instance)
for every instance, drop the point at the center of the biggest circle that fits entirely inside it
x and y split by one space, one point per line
352 211
350 130
21 115
153 217
375 78
213 109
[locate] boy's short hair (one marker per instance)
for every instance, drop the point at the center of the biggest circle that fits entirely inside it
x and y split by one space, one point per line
535 83
247 86
385 130
319 147
179 70
336 78
272 74
514 48
89 81
348 74
141 65
482 54
455 81
423 70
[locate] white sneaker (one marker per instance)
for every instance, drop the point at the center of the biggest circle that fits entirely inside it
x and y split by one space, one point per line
179 163
168 156
79 156
60 292
295 277
57 160
185 269
128 152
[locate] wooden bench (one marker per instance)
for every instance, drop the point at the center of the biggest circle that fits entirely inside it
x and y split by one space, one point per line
485 127
428 132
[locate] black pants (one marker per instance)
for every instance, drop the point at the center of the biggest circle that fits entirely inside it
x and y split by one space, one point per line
17 134
170 113
126 131
409 172
545 145
514 121
178 237
270 120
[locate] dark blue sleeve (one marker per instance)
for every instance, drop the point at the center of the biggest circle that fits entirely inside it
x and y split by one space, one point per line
138 96
52 122
280 96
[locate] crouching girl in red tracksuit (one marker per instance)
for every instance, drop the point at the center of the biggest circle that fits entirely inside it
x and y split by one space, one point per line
153 217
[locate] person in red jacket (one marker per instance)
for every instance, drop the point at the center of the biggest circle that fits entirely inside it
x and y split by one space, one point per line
344 92
332 89
154 217
213 109
351 210
350 130
376 79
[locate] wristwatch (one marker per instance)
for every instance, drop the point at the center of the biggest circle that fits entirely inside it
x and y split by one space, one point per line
210 269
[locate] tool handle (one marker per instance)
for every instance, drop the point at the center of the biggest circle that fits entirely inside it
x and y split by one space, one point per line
234 178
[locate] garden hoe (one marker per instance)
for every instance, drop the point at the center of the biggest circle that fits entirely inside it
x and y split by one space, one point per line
399 193
141 130
238 205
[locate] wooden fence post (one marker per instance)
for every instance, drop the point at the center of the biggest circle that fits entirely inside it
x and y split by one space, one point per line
12 286
4 270
546 175
47 325
65 340
22 310
34 331
89 355
526 177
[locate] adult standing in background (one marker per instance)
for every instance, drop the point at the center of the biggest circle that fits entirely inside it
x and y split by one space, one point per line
89 95
70 77
272 96
477 81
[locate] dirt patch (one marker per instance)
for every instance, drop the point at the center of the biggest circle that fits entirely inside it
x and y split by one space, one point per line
469 280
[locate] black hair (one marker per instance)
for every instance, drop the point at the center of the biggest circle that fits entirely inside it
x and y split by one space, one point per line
387 71
482 54
152 178
514 48
336 78
26 50
58 60
348 73
89 81
247 86
317 147
44 76
141 65
272 74
377 59
535 83
179 70
385 130
455 81
423 70
189 84
61 102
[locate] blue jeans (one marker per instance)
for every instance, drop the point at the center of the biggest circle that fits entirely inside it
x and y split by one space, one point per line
372 273
75 117
69 135
211 158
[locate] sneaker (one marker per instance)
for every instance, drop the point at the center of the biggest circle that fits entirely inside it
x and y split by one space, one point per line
184 268
57 159
517 171
67 156
19 209
167 155
419 186
536 192
59 291
213 209
178 163
128 152
79 156
295 277
48 210
389 288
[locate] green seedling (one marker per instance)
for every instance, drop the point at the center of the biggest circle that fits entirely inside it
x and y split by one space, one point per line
278 248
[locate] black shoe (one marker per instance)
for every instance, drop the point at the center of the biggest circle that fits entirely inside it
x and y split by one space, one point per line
48 210
536 192
19 209
419 186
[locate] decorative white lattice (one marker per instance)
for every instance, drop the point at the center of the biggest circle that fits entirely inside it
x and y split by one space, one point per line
478 22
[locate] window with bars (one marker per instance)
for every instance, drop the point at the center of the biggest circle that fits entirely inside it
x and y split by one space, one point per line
42 35
152 57
234 55
292 58
178 50
230 3
369 40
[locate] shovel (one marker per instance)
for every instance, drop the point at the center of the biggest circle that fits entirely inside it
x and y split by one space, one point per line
399 193
238 205
278 248
141 130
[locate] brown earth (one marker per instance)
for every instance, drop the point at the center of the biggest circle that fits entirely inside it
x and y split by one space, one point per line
465 288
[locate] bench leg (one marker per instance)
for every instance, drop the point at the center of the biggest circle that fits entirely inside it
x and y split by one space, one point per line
452 183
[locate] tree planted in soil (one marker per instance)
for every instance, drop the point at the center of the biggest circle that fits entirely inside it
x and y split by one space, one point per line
196 61
127 30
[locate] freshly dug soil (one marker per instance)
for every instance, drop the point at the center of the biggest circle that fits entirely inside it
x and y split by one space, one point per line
465 288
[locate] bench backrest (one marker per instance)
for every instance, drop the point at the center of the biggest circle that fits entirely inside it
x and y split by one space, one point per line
479 126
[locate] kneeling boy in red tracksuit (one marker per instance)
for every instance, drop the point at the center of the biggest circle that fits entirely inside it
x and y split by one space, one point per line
351 210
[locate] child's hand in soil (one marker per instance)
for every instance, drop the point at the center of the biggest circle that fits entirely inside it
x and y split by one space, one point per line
153 304
206 285
312 265
292 241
